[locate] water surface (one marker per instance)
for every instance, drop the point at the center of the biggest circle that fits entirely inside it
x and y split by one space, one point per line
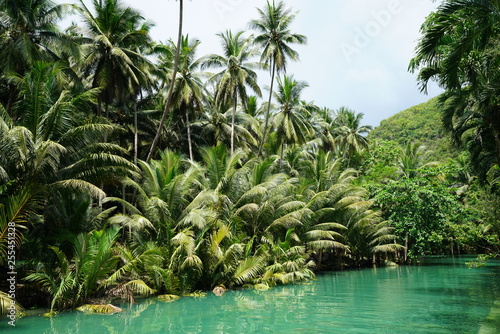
443 296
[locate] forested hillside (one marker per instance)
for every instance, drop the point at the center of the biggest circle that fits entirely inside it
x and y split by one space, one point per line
418 124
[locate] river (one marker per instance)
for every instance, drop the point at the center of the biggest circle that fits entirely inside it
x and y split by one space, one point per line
440 296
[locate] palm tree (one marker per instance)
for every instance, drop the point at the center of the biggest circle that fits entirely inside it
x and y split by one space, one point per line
275 39
237 74
188 89
78 276
114 60
291 122
458 50
215 127
54 151
171 89
412 158
350 133
29 33
368 235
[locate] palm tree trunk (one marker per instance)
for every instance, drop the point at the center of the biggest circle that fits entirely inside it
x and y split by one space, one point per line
406 248
266 122
11 101
171 88
235 105
188 127
281 154
136 135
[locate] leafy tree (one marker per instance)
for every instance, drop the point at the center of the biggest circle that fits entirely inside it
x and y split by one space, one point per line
380 162
421 213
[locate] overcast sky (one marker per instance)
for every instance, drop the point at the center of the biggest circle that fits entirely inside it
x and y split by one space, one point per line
357 53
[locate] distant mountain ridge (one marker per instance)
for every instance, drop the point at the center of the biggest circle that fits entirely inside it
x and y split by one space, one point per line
420 123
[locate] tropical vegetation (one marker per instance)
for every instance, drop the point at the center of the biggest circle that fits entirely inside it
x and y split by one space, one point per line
127 169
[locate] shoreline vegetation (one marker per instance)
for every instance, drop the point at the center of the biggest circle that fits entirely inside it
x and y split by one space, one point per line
127 170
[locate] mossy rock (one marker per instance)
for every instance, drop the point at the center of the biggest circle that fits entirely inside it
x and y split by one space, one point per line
99 309
49 314
390 264
261 287
195 294
247 286
168 298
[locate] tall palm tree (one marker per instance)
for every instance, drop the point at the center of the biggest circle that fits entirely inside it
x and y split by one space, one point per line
291 122
188 92
350 133
237 74
458 50
114 59
168 102
275 38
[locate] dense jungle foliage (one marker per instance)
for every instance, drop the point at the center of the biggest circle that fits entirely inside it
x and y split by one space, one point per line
418 124
131 167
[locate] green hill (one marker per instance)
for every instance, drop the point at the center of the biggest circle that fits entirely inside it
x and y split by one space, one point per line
420 123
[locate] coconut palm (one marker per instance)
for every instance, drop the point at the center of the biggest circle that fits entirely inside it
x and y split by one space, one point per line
237 74
350 134
323 120
29 33
167 187
215 127
175 69
291 121
368 235
412 160
275 38
287 260
188 92
113 54
56 154
324 170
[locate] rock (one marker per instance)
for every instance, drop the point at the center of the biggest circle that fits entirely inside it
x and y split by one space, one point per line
261 287
168 298
99 309
219 290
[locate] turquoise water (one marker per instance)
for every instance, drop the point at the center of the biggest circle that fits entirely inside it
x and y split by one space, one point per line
441 297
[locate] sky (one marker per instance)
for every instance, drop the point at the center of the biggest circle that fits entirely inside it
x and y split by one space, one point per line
357 53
